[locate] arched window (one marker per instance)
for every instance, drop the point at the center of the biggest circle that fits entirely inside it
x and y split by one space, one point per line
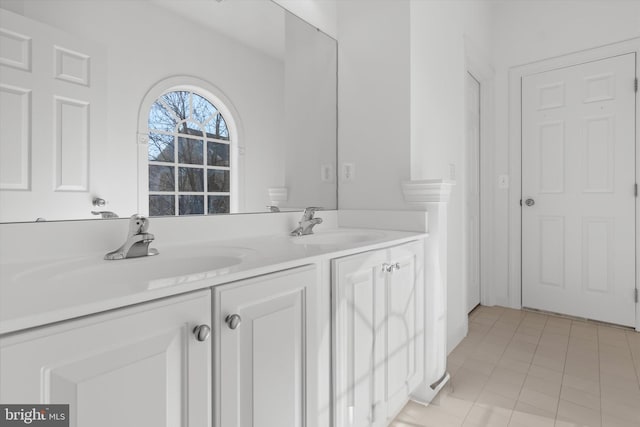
189 156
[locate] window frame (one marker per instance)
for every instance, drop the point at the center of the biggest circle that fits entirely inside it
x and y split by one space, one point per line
216 97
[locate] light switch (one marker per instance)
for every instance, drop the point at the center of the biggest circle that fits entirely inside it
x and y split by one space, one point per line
326 173
348 171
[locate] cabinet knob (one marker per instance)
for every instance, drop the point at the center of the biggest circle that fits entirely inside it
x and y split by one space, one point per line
233 320
202 332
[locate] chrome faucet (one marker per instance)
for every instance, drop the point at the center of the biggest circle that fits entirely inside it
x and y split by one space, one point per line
137 243
306 224
105 214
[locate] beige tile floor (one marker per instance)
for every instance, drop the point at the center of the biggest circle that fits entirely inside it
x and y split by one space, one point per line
526 369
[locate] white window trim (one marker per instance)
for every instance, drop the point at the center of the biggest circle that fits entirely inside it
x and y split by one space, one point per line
231 117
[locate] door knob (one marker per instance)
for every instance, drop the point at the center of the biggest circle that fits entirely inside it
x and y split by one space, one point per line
233 320
529 202
202 332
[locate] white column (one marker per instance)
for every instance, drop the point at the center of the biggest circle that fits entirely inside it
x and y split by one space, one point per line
433 196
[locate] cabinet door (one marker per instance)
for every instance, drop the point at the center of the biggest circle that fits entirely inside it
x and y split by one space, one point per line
358 327
404 325
140 366
261 362
378 333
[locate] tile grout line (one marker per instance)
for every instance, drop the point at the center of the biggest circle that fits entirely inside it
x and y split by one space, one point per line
564 368
475 400
633 360
480 341
547 316
555 417
501 356
599 375
525 377
564 365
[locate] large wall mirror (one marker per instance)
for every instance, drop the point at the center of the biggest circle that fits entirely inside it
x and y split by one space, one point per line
163 107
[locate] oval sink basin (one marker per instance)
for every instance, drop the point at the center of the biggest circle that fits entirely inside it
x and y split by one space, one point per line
338 237
173 265
150 268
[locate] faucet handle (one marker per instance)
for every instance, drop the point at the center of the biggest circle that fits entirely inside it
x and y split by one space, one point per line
138 224
105 214
310 211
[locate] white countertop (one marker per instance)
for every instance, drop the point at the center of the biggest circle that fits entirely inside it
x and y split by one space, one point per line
36 293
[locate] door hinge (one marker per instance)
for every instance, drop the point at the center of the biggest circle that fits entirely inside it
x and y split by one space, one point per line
635 298
635 85
635 189
520 202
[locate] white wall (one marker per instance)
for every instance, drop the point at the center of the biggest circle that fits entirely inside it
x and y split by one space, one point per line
401 110
373 101
525 32
438 70
310 108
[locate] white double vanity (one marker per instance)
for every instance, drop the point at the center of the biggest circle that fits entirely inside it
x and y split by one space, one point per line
243 325
235 323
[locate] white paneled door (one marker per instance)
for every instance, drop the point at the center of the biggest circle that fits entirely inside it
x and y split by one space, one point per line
578 203
53 94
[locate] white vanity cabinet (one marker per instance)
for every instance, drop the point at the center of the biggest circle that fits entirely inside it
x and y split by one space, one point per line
378 327
264 350
146 365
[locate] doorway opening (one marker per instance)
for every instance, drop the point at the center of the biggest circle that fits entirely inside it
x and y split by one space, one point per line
473 141
479 181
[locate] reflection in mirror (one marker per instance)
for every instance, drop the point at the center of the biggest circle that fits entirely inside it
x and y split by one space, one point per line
202 148
163 107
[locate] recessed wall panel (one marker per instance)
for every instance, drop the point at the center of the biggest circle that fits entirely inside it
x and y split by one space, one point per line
597 256
552 244
551 146
72 145
599 88
71 66
599 153
15 50
15 138
551 96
